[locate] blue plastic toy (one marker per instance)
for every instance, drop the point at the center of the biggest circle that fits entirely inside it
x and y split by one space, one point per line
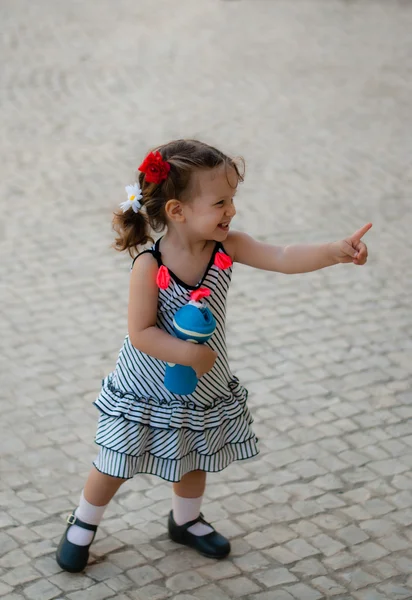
194 323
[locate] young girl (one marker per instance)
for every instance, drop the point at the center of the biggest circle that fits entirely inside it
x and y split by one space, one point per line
185 188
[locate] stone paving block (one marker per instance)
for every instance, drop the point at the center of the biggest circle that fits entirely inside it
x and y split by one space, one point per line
27 514
252 521
210 592
100 591
383 569
356 513
377 507
102 571
301 591
402 500
301 548
331 521
403 563
239 547
20 575
380 487
187 580
395 591
5 589
309 567
14 558
307 508
228 528
41 590
326 544
280 595
341 560
402 482
369 551
6 520
305 528
127 559
352 535
358 578
329 501
357 495
220 570
251 561
329 587
388 467
274 577
394 543
144 575
378 527
67 582
239 587
282 555
37 549
47 565
114 542
370 595
6 544
403 517
152 591
120 583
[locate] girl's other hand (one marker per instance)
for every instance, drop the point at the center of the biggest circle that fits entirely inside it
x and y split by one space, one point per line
352 249
203 359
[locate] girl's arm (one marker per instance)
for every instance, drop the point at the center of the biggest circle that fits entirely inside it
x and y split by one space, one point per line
297 258
142 314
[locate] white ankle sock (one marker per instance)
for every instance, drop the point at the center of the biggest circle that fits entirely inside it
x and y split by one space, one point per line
89 514
188 509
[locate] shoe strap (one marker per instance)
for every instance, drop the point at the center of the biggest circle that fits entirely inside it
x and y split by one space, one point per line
73 520
199 519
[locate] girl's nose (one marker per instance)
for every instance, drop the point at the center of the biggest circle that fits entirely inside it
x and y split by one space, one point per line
231 211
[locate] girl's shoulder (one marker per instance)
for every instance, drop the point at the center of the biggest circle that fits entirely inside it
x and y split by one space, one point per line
149 256
231 243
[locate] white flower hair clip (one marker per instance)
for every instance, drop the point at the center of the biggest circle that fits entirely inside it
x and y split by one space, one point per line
134 194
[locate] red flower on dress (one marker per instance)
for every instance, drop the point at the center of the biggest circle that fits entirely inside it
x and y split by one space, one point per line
163 278
155 168
223 261
197 295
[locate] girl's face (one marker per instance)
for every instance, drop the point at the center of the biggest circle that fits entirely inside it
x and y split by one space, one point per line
211 209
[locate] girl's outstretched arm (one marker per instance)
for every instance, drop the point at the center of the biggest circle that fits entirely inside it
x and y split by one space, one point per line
143 333
297 258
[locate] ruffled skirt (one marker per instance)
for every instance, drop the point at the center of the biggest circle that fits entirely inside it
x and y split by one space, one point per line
171 438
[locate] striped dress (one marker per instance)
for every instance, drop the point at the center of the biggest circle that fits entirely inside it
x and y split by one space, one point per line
144 428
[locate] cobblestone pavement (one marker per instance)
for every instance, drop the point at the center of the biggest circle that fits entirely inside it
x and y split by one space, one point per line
316 94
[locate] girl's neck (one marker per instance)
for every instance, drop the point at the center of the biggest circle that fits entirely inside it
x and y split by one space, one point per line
181 242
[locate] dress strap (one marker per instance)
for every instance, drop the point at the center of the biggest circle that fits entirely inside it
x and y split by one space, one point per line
154 250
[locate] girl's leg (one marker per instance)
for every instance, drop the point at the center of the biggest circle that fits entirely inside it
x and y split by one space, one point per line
187 500
97 493
73 551
192 485
100 488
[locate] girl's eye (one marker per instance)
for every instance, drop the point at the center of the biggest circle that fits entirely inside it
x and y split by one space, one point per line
220 203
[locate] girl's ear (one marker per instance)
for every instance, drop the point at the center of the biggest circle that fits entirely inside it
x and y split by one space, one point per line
174 211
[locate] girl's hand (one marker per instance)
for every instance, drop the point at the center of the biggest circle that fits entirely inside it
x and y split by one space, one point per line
203 359
351 249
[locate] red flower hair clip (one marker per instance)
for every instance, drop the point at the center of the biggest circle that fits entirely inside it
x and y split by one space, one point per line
223 261
155 168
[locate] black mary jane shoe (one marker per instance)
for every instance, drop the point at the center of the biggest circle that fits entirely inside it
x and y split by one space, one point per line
212 545
69 556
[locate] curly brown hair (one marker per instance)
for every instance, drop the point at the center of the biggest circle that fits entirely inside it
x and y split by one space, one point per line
184 157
